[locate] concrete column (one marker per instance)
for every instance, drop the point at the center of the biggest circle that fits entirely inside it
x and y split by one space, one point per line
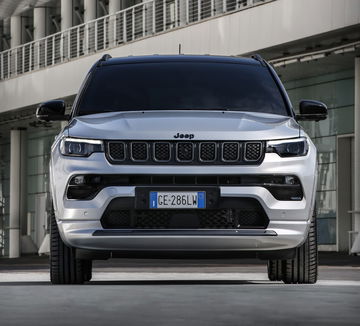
90 10
1 35
66 14
114 6
17 191
183 12
15 30
356 246
39 23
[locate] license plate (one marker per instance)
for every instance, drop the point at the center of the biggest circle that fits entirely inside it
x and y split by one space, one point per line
191 199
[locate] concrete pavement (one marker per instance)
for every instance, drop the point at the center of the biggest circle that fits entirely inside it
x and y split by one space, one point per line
188 292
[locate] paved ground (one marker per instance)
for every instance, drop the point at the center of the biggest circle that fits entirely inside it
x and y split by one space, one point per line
188 292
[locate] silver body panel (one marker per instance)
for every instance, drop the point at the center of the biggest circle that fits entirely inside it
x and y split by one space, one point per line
79 219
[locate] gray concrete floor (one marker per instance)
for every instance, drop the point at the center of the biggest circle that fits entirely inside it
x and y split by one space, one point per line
187 292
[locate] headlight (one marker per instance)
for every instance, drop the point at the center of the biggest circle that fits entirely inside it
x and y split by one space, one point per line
80 147
289 147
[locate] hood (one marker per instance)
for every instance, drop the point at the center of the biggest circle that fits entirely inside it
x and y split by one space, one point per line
197 125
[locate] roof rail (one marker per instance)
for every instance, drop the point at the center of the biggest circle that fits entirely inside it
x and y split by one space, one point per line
105 57
259 58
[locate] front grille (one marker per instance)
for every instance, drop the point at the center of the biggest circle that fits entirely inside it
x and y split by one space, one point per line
230 152
207 152
252 151
227 218
139 151
185 152
162 152
116 151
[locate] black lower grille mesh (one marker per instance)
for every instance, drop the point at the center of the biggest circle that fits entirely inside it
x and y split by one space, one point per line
226 218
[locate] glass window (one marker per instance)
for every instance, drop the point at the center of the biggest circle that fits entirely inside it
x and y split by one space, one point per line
327 176
182 86
326 228
339 121
326 148
326 203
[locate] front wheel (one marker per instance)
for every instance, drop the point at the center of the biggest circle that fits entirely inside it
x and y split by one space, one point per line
64 267
303 268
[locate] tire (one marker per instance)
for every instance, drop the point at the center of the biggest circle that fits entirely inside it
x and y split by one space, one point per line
274 269
64 267
303 268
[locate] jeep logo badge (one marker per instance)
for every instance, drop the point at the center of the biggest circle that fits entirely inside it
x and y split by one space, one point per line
187 136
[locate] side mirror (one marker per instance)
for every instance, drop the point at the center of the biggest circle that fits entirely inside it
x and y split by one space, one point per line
312 111
52 111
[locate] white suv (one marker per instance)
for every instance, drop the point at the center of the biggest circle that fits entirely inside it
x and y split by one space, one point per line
179 155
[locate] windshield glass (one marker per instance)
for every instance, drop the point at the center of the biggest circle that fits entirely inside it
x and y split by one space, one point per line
182 86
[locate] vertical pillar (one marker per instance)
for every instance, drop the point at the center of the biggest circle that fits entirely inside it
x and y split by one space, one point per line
356 246
39 23
183 12
66 14
114 6
15 30
17 191
1 35
90 10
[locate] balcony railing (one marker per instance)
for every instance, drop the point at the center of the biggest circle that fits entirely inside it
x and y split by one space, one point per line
142 20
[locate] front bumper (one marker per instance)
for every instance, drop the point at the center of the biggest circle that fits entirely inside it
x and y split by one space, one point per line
79 220
80 227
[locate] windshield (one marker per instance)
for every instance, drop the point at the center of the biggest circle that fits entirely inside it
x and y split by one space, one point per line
182 86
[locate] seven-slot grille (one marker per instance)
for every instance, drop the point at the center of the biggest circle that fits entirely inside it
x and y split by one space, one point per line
185 152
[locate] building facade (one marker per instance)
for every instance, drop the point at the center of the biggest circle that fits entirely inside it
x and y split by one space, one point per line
47 46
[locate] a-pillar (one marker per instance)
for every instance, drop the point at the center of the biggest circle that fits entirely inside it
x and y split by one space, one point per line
15 30
39 23
66 14
17 225
356 210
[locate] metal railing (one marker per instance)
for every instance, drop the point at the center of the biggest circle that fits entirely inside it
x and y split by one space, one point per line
145 19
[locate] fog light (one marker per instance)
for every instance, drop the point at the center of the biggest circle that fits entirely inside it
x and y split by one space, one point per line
290 180
79 180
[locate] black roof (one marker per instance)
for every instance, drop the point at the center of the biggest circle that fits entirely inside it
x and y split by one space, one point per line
178 58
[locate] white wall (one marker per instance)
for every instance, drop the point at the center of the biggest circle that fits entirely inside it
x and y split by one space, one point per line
250 30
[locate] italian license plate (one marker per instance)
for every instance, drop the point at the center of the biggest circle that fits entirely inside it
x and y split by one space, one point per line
191 199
